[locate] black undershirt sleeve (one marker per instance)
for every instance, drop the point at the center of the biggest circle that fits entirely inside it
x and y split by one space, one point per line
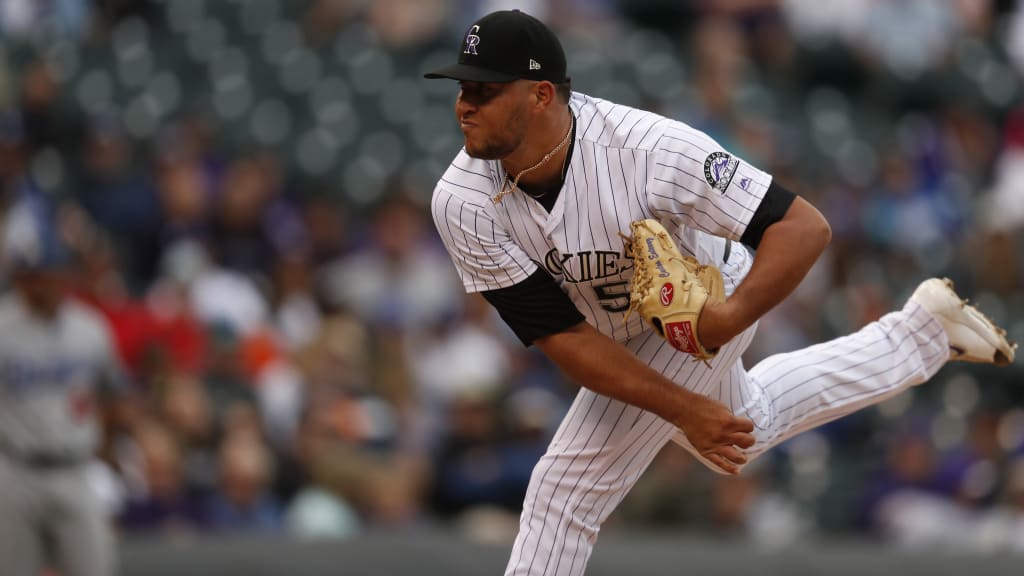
773 207
535 307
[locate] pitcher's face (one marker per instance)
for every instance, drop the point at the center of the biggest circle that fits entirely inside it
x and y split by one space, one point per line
492 117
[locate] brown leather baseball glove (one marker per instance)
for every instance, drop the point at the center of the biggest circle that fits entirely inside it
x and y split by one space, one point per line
669 290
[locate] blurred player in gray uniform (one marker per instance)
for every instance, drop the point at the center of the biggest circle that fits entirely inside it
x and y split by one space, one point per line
54 354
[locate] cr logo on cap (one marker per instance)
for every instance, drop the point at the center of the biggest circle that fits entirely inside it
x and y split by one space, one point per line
472 40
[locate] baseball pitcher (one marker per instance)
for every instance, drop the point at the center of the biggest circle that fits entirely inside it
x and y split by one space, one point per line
567 211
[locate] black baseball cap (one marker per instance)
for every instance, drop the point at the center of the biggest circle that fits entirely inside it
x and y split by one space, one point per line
504 46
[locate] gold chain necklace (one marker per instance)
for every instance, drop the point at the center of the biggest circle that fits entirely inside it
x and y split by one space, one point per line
506 190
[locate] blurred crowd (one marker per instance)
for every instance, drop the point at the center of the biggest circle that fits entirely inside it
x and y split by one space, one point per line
244 184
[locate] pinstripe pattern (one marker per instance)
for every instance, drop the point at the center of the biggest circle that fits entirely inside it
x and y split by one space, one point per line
604 446
828 381
627 165
790 393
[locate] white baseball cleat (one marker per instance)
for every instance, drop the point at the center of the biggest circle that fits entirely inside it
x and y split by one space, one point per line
973 337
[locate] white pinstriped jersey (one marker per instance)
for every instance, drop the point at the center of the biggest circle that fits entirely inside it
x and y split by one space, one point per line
627 164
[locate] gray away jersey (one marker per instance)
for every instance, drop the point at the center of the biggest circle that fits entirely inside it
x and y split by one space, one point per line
49 371
627 165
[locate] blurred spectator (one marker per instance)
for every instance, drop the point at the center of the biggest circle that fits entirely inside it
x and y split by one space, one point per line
398 278
350 439
296 305
909 467
384 487
60 18
532 414
1002 528
250 225
469 470
44 123
157 499
185 407
326 221
243 502
675 491
119 196
407 24
318 514
324 19
719 62
184 193
114 10
156 334
12 143
224 377
465 357
910 36
902 214
486 456
219 295
744 506
970 469
1003 211
925 498
922 521
338 358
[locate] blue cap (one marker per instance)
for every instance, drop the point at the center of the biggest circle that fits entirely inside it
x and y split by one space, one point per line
31 240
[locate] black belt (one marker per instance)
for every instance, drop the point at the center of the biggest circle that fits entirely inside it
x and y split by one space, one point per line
44 460
728 250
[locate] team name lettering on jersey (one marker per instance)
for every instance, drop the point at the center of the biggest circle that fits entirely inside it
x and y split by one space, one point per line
586 266
22 376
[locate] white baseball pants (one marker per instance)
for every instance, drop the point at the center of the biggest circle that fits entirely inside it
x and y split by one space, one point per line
603 445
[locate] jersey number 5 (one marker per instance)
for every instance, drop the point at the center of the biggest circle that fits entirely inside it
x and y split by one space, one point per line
613 296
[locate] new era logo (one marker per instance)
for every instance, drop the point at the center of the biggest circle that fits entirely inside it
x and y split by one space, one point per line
534 65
